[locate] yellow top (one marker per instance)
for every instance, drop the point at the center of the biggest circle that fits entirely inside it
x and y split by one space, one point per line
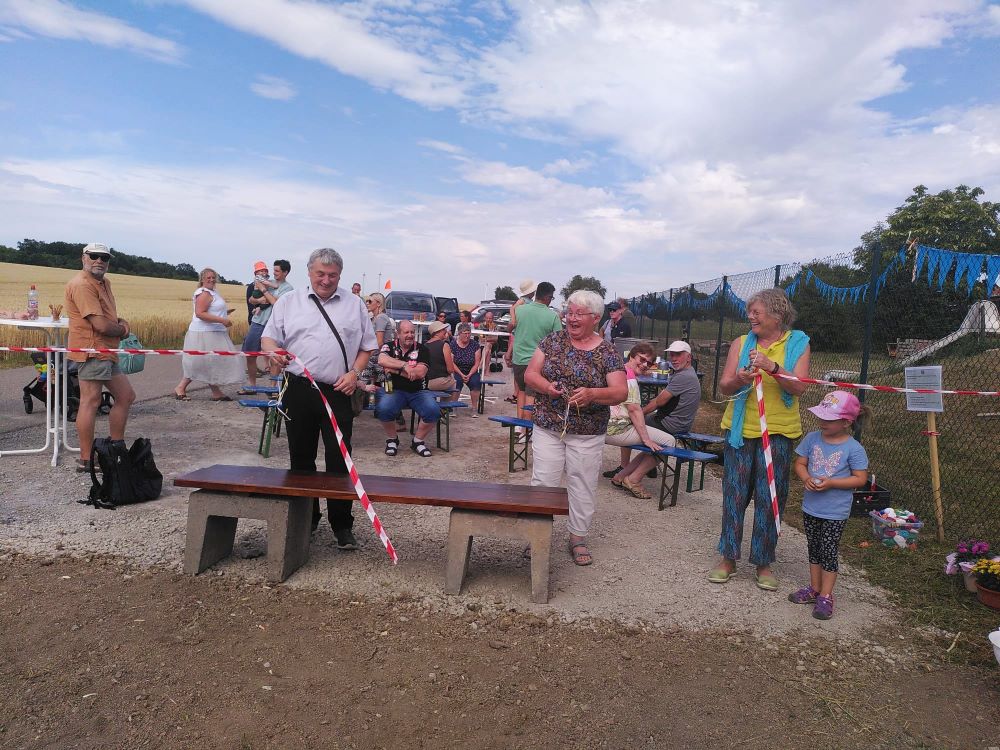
781 419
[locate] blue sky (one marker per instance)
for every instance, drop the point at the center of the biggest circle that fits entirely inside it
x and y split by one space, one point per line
457 146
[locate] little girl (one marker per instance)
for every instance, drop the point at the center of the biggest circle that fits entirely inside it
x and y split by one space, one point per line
832 464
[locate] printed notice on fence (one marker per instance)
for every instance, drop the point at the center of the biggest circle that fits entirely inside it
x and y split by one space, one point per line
924 377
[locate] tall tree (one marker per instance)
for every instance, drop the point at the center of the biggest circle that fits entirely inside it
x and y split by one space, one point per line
582 282
505 292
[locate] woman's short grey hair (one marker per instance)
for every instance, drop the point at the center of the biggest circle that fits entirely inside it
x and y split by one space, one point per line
463 328
588 299
777 305
327 256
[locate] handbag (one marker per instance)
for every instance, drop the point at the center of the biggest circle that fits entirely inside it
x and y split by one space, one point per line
130 364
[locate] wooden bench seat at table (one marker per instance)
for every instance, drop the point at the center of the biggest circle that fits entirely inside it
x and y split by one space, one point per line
663 457
283 499
697 441
517 450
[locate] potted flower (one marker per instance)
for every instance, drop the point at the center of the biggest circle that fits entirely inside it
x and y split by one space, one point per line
987 573
967 553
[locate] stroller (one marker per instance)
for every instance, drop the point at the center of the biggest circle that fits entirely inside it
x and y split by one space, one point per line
41 387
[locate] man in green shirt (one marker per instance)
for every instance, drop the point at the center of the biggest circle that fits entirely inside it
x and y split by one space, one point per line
535 321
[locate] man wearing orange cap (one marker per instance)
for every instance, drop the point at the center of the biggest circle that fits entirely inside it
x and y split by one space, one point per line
265 293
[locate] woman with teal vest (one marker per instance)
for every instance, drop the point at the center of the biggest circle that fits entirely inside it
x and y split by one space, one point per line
771 349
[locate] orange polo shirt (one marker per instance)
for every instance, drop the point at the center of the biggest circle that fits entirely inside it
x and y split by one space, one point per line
85 296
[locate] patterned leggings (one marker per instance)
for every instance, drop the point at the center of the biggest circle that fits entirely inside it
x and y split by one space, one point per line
745 475
823 536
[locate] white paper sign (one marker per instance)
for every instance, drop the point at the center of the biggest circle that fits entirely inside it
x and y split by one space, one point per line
924 377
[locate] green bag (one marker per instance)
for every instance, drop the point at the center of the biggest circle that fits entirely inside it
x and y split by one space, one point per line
130 364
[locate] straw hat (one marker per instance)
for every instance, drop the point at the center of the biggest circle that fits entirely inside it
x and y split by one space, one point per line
528 287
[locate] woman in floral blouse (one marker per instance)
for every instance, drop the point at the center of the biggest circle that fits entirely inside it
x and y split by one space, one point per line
576 375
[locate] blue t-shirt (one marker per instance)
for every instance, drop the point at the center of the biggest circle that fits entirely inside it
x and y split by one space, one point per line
829 461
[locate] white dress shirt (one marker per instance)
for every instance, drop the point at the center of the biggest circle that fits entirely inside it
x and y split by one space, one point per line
298 327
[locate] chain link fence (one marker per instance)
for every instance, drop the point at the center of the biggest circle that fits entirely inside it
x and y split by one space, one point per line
923 313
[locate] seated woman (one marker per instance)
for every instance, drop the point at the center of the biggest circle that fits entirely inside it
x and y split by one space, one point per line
463 356
627 426
438 373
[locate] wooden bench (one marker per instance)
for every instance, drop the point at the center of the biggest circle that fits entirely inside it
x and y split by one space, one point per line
698 442
663 457
283 499
485 383
517 452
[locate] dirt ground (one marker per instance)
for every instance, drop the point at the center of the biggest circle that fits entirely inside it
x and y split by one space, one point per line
106 644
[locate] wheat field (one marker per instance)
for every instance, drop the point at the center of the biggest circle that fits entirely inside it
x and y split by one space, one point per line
158 310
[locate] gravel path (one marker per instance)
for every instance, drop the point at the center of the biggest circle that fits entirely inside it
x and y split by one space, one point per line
649 566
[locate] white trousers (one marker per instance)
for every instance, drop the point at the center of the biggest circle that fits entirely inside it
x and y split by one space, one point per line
579 456
631 437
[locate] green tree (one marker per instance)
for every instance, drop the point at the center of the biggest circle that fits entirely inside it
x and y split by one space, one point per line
505 292
582 282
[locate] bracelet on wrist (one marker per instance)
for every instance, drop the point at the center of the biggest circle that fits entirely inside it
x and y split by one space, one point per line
774 370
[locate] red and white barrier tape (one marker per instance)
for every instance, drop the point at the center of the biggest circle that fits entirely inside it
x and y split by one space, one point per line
765 441
885 388
359 488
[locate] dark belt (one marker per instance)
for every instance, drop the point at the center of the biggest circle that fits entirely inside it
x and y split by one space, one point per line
296 378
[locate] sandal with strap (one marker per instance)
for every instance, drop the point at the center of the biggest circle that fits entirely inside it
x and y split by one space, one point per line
637 490
418 447
391 446
583 557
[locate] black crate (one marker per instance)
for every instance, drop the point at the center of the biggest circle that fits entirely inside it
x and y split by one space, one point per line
867 499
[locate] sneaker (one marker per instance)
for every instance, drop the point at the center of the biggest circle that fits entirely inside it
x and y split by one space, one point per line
824 607
805 595
345 539
613 472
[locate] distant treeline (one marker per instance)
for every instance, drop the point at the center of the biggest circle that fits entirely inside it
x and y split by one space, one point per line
67 255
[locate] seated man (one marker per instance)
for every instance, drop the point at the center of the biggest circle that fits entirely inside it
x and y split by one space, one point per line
674 408
676 405
405 362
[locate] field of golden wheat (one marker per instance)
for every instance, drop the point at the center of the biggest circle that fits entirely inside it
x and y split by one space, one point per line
158 310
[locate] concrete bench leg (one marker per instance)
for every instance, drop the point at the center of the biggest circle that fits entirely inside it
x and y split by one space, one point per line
465 524
211 530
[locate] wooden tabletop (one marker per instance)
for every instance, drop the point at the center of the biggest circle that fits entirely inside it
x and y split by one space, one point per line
263 480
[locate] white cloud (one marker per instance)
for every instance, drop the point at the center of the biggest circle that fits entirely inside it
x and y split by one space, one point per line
272 87
61 20
342 38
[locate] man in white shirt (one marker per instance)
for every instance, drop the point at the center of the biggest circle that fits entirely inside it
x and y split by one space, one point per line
335 349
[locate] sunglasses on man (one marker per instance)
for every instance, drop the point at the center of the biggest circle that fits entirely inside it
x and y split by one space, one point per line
99 256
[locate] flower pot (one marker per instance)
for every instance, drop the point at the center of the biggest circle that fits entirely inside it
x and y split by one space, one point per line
989 597
970 582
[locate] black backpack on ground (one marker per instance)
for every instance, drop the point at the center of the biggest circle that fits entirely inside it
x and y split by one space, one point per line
129 474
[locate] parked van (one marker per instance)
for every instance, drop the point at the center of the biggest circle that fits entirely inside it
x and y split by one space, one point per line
401 305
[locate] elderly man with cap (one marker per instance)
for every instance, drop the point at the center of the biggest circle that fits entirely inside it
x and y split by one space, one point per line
94 324
265 294
406 362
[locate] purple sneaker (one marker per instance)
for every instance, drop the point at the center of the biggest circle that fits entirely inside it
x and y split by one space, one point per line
805 595
824 607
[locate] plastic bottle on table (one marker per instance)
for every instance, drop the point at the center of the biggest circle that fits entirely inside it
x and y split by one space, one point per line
33 303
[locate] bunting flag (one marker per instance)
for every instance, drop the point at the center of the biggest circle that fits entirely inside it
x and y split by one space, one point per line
967 266
388 284
992 273
841 294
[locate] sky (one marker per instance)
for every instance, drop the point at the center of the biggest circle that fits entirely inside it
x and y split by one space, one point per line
453 147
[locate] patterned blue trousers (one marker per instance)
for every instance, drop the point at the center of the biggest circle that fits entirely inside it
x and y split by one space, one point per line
745 474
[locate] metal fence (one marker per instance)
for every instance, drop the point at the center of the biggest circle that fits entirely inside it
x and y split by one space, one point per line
930 307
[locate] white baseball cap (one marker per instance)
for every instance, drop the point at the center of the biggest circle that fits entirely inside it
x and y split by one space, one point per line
97 247
679 346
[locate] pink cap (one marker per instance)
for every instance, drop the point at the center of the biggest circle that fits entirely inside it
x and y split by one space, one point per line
838 405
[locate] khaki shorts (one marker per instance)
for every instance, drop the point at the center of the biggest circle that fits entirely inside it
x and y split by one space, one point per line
519 371
97 369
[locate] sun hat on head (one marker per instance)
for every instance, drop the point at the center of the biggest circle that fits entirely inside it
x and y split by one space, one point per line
436 326
259 266
838 405
679 346
528 287
97 247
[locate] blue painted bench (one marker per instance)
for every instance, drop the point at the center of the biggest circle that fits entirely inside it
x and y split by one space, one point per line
484 384
682 455
272 420
698 442
517 453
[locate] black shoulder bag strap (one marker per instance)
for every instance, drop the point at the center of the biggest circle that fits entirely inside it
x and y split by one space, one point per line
343 349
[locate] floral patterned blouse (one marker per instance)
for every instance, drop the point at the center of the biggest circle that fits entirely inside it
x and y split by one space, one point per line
572 368
465 359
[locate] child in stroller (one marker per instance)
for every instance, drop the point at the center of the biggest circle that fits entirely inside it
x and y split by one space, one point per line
41 387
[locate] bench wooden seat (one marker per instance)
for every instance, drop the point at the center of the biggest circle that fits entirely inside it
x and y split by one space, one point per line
663 457
697 441
484 383
517 452
283 499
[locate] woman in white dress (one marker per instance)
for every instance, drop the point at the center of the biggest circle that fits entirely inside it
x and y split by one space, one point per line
208 332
